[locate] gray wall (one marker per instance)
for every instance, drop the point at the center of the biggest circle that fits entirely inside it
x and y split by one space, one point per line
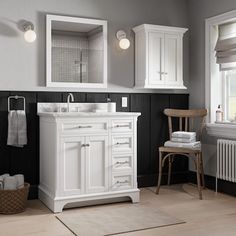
23 64
199 10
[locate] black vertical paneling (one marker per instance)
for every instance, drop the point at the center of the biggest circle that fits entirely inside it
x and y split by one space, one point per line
117 97
152 131
141 103
4 149
97 97
159 127
179 101
49 97
26 160
78 97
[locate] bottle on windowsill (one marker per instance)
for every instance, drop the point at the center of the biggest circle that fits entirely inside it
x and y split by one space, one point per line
219 114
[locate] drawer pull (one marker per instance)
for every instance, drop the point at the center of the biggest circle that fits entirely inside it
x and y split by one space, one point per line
121 162
122 182
122 126
83 127
122 143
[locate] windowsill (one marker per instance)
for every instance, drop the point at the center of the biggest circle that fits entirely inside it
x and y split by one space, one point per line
222 129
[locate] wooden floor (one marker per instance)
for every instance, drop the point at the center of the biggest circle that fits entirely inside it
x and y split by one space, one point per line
215 215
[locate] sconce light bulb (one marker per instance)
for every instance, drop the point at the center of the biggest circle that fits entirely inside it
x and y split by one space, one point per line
124 43
30 36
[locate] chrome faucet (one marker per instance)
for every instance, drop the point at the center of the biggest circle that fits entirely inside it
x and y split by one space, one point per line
69 97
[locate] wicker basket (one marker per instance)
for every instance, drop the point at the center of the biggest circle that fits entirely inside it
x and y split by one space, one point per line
14 201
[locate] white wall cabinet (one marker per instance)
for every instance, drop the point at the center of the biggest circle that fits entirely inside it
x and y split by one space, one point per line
86 158
159 57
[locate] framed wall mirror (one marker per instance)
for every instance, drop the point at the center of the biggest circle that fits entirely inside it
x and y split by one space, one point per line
76 52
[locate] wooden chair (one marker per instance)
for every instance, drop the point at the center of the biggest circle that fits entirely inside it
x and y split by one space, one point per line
186 119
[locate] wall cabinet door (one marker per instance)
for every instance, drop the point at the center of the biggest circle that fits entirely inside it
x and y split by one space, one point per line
172 59
96 164
155 57
72 165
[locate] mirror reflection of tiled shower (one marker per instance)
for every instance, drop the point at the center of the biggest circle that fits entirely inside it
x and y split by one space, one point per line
76 57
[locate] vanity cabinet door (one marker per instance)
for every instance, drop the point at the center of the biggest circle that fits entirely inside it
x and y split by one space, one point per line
96 164
71 174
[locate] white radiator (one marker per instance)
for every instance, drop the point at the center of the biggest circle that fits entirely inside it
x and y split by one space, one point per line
226 160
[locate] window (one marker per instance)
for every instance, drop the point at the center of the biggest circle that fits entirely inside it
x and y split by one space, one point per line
226 58
220 76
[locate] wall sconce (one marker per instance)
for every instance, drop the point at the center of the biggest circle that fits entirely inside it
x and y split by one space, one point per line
29 34
124 43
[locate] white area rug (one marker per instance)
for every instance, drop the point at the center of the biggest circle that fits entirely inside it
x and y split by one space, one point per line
114 219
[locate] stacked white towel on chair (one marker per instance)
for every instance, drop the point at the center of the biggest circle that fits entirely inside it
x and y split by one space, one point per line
182 139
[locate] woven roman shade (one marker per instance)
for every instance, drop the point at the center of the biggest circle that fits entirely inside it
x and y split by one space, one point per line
226 47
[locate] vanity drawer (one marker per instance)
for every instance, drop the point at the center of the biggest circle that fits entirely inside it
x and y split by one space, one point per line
122 162
122 126
120 182
122 143
85 127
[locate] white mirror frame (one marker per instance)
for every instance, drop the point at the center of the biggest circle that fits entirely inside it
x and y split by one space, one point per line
49 82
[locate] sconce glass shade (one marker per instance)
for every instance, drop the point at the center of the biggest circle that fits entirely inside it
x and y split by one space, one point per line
124 43
30 36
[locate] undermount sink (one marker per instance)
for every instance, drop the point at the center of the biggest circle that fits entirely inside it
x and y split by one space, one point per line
75 108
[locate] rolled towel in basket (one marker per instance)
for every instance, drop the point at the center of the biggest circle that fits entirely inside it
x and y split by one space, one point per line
20 180
10 183
2 180
4 176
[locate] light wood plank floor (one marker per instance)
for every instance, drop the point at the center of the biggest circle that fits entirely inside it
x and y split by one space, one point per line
215 215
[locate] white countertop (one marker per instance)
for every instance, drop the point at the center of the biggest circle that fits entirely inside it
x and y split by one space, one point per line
87 114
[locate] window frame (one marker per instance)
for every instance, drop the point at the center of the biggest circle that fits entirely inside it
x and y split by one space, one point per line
213 81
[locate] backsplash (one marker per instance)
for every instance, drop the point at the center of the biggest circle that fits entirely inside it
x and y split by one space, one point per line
152 132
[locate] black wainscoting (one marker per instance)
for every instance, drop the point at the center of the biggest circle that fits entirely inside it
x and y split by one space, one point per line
152 132
210 182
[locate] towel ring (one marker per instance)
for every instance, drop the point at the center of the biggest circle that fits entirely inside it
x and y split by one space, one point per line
15 97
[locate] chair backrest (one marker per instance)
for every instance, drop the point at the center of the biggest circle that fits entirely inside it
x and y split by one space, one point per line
187 120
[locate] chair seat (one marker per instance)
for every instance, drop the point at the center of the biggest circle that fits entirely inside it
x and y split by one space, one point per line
179 150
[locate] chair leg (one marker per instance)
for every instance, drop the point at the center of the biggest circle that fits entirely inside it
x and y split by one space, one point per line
202 171
160 173
198 176
169 169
